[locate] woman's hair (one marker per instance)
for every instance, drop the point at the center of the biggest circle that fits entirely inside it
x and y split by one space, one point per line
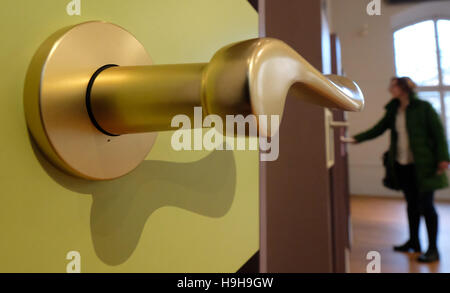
405 83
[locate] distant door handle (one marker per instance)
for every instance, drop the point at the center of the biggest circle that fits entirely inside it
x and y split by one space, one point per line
93 101
337 124
330 124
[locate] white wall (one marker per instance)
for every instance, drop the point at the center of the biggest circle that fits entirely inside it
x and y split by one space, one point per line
368 58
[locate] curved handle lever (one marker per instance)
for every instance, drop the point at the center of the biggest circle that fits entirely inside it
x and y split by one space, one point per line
64 98
249 77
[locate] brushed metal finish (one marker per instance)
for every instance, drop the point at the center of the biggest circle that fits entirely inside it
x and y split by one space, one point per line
140 99
249 77
55 108
135 99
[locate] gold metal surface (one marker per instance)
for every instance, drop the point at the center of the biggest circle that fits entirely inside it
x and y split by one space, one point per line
134 100
145 98
55 108
248 77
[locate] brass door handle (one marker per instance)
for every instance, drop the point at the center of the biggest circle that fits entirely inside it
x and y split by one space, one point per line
93 100
249 77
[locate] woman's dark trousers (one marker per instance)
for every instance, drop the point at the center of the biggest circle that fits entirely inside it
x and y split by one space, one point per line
418 204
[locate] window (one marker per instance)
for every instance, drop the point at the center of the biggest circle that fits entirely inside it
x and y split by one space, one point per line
422 52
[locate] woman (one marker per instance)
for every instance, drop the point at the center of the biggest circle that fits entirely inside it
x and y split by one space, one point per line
416 160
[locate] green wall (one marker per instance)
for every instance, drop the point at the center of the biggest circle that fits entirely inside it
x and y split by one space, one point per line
178 211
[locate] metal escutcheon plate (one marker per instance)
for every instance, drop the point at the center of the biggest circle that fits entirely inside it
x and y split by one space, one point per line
55 101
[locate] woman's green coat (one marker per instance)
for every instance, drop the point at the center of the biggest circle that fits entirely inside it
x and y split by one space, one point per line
427 142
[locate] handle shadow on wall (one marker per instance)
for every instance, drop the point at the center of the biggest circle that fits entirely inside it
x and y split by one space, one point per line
121 208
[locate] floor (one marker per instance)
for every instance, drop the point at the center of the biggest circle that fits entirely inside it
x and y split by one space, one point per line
380 223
